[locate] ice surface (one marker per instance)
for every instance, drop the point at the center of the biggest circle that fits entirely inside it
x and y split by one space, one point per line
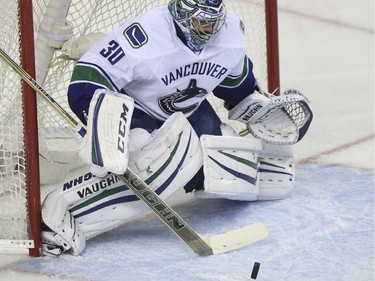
324 231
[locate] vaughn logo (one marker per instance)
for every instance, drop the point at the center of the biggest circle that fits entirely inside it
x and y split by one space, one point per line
77 181
251 112
90 186
97 186
170 103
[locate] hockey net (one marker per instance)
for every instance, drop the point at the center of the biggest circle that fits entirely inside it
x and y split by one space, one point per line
19 191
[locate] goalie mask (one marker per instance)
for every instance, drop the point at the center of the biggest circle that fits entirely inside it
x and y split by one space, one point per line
198 19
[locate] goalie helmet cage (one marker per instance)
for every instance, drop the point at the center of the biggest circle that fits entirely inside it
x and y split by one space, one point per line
43 23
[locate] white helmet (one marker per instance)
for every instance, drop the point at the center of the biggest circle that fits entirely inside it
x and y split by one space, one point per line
198 19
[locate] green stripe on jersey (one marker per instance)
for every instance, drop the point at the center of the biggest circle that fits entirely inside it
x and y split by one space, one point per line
234 82
90 74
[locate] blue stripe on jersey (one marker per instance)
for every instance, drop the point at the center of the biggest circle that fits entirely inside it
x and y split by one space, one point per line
234 93
81 89
79 97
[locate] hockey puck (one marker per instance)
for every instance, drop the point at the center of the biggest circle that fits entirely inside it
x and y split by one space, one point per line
254 273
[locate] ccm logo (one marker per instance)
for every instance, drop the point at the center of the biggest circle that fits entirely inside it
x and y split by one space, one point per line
122 129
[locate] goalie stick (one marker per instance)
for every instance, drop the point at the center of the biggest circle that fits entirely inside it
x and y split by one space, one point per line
200 244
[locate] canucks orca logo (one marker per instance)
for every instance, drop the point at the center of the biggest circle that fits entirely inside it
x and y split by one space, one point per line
169 104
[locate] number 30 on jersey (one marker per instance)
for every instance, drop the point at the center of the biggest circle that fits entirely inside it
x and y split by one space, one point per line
113 53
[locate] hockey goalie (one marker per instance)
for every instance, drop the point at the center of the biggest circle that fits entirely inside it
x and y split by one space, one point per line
142 90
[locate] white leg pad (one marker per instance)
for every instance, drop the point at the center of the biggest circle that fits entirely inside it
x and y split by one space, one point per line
172 156
90 203
57 217
246 169
230 166
277 172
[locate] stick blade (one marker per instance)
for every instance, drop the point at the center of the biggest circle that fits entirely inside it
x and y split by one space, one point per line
238 238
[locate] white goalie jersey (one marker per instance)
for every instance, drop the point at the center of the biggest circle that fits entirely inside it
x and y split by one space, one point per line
145 58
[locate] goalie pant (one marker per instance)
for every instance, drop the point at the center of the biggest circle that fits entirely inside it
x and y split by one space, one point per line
85 206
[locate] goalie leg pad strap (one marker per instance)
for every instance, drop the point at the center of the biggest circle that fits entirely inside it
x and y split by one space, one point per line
230 167
51 246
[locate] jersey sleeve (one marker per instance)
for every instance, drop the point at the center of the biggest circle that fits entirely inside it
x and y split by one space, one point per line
239 84
107 64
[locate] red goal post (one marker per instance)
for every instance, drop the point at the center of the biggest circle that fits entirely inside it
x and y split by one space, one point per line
27 23
272 39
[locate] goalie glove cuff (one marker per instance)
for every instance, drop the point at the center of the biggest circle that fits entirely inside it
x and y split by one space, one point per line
249 108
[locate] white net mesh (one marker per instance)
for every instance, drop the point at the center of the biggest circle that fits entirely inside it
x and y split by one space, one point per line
13 213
